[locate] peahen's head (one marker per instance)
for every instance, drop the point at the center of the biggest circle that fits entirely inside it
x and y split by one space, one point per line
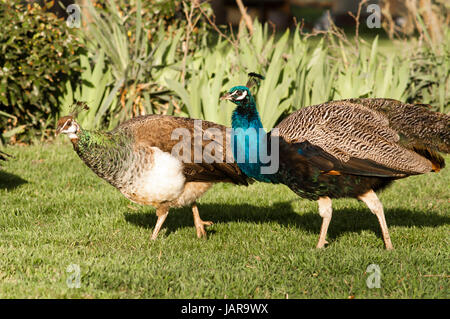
239 95
68 125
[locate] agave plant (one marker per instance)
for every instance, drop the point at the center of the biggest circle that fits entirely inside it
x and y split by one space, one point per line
96 89
136 62
145 74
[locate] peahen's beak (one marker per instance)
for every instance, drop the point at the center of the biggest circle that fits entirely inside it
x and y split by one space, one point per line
58 130
61 124
226 96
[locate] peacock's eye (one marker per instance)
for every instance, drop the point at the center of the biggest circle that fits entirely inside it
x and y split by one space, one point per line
239 92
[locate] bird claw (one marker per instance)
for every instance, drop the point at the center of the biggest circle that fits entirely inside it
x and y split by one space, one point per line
321 244
200 226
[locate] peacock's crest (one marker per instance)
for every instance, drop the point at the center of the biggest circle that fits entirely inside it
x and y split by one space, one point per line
254 79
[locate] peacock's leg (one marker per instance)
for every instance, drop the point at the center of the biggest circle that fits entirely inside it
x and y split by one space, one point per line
325 211
199 223
162 213
375 206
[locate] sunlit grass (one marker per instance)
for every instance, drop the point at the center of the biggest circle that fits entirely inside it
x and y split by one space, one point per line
55 212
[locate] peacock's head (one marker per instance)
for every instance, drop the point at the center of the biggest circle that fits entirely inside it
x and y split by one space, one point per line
68 125
239 95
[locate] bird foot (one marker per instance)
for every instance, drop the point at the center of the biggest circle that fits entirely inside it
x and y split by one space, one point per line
321 243
200 226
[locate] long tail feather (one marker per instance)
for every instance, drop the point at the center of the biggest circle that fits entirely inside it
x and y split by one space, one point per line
419 127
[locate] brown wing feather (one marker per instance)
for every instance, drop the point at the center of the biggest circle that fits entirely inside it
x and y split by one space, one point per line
420 129
354 138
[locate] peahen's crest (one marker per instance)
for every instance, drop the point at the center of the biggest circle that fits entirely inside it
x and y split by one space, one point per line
77 107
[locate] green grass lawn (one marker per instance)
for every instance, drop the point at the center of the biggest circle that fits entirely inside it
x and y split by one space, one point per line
55 212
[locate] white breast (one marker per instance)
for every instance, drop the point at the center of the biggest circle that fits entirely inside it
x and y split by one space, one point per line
163 180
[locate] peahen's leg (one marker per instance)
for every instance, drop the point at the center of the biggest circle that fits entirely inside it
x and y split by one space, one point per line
162 213
325 211
375 206
199 223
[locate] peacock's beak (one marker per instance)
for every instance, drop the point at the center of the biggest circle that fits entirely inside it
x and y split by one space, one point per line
226 96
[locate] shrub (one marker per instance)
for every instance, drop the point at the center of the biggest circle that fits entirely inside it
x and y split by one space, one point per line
430 75
37 56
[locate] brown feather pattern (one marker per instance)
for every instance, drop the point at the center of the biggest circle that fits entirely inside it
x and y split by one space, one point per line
381 132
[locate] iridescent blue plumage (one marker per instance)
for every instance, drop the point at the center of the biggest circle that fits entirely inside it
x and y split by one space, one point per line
248 135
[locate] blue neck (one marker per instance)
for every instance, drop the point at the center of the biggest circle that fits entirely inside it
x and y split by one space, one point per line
247 135
246 116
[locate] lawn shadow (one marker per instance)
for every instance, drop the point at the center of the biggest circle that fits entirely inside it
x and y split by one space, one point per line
10 181
343 220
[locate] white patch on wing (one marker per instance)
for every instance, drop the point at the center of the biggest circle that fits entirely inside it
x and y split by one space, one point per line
164 180
242 96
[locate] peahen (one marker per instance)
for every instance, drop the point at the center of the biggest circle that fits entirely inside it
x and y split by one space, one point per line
136 158
346 148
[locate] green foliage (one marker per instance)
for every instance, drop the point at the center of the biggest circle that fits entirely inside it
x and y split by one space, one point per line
128 48
216 68
296 74
94 89
141 41
144 57
430 75
137 52
203 85
38 55
372 74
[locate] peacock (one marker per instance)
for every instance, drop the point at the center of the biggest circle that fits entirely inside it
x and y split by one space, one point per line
347 148
138 159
